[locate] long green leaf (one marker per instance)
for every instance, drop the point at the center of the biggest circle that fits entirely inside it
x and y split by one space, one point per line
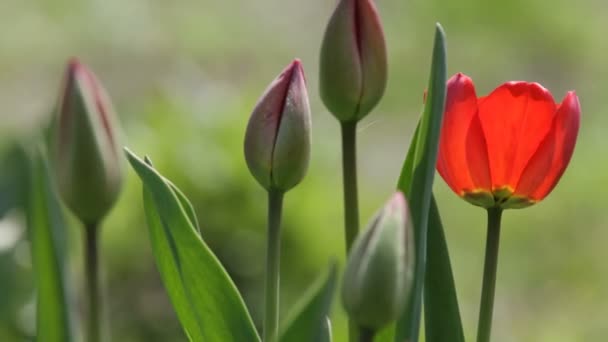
204 297
441 313
188 207
442 316
47 235
308 321
418 186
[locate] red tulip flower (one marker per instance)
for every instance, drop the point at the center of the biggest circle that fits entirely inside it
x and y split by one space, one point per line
507 149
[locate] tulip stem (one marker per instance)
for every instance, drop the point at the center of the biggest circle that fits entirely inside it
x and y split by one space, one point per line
92 282
366 334
489 275
273 256
351 201
349 174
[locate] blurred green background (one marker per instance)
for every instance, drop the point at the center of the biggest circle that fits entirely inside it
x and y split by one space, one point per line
184 76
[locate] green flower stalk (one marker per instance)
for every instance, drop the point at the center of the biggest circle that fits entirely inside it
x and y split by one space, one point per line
277 151
87 167
380 269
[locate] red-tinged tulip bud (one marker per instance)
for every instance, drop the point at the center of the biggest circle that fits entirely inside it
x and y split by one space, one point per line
84 146
353 67
507 149
380 269
277 141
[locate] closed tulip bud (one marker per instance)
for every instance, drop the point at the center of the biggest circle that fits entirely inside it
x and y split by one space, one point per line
277 141
353 66
84 146
379 270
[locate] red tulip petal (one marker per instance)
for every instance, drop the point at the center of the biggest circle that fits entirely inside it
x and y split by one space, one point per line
458 134
477 156
515 117
535 172
567 122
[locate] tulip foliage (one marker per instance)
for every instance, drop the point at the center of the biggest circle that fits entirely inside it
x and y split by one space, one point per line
506 150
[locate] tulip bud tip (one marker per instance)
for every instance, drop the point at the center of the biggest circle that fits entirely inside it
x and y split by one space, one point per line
277 139
74 63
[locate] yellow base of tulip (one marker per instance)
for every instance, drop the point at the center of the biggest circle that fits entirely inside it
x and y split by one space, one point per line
502 197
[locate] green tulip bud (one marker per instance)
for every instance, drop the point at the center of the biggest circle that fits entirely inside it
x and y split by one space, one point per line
277 141
380 268
353 66
84 148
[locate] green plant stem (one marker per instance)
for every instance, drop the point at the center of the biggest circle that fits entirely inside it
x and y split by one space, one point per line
489 275
273 256
349 175
366 335
351 201
92 282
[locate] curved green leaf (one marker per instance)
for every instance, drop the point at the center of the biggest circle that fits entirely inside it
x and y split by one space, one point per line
441 313
417 182
47 235
308 321
188 207
204 297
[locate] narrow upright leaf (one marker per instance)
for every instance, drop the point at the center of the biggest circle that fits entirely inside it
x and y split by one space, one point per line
419 186
47 236
442 316
308 321
204 297
441 313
